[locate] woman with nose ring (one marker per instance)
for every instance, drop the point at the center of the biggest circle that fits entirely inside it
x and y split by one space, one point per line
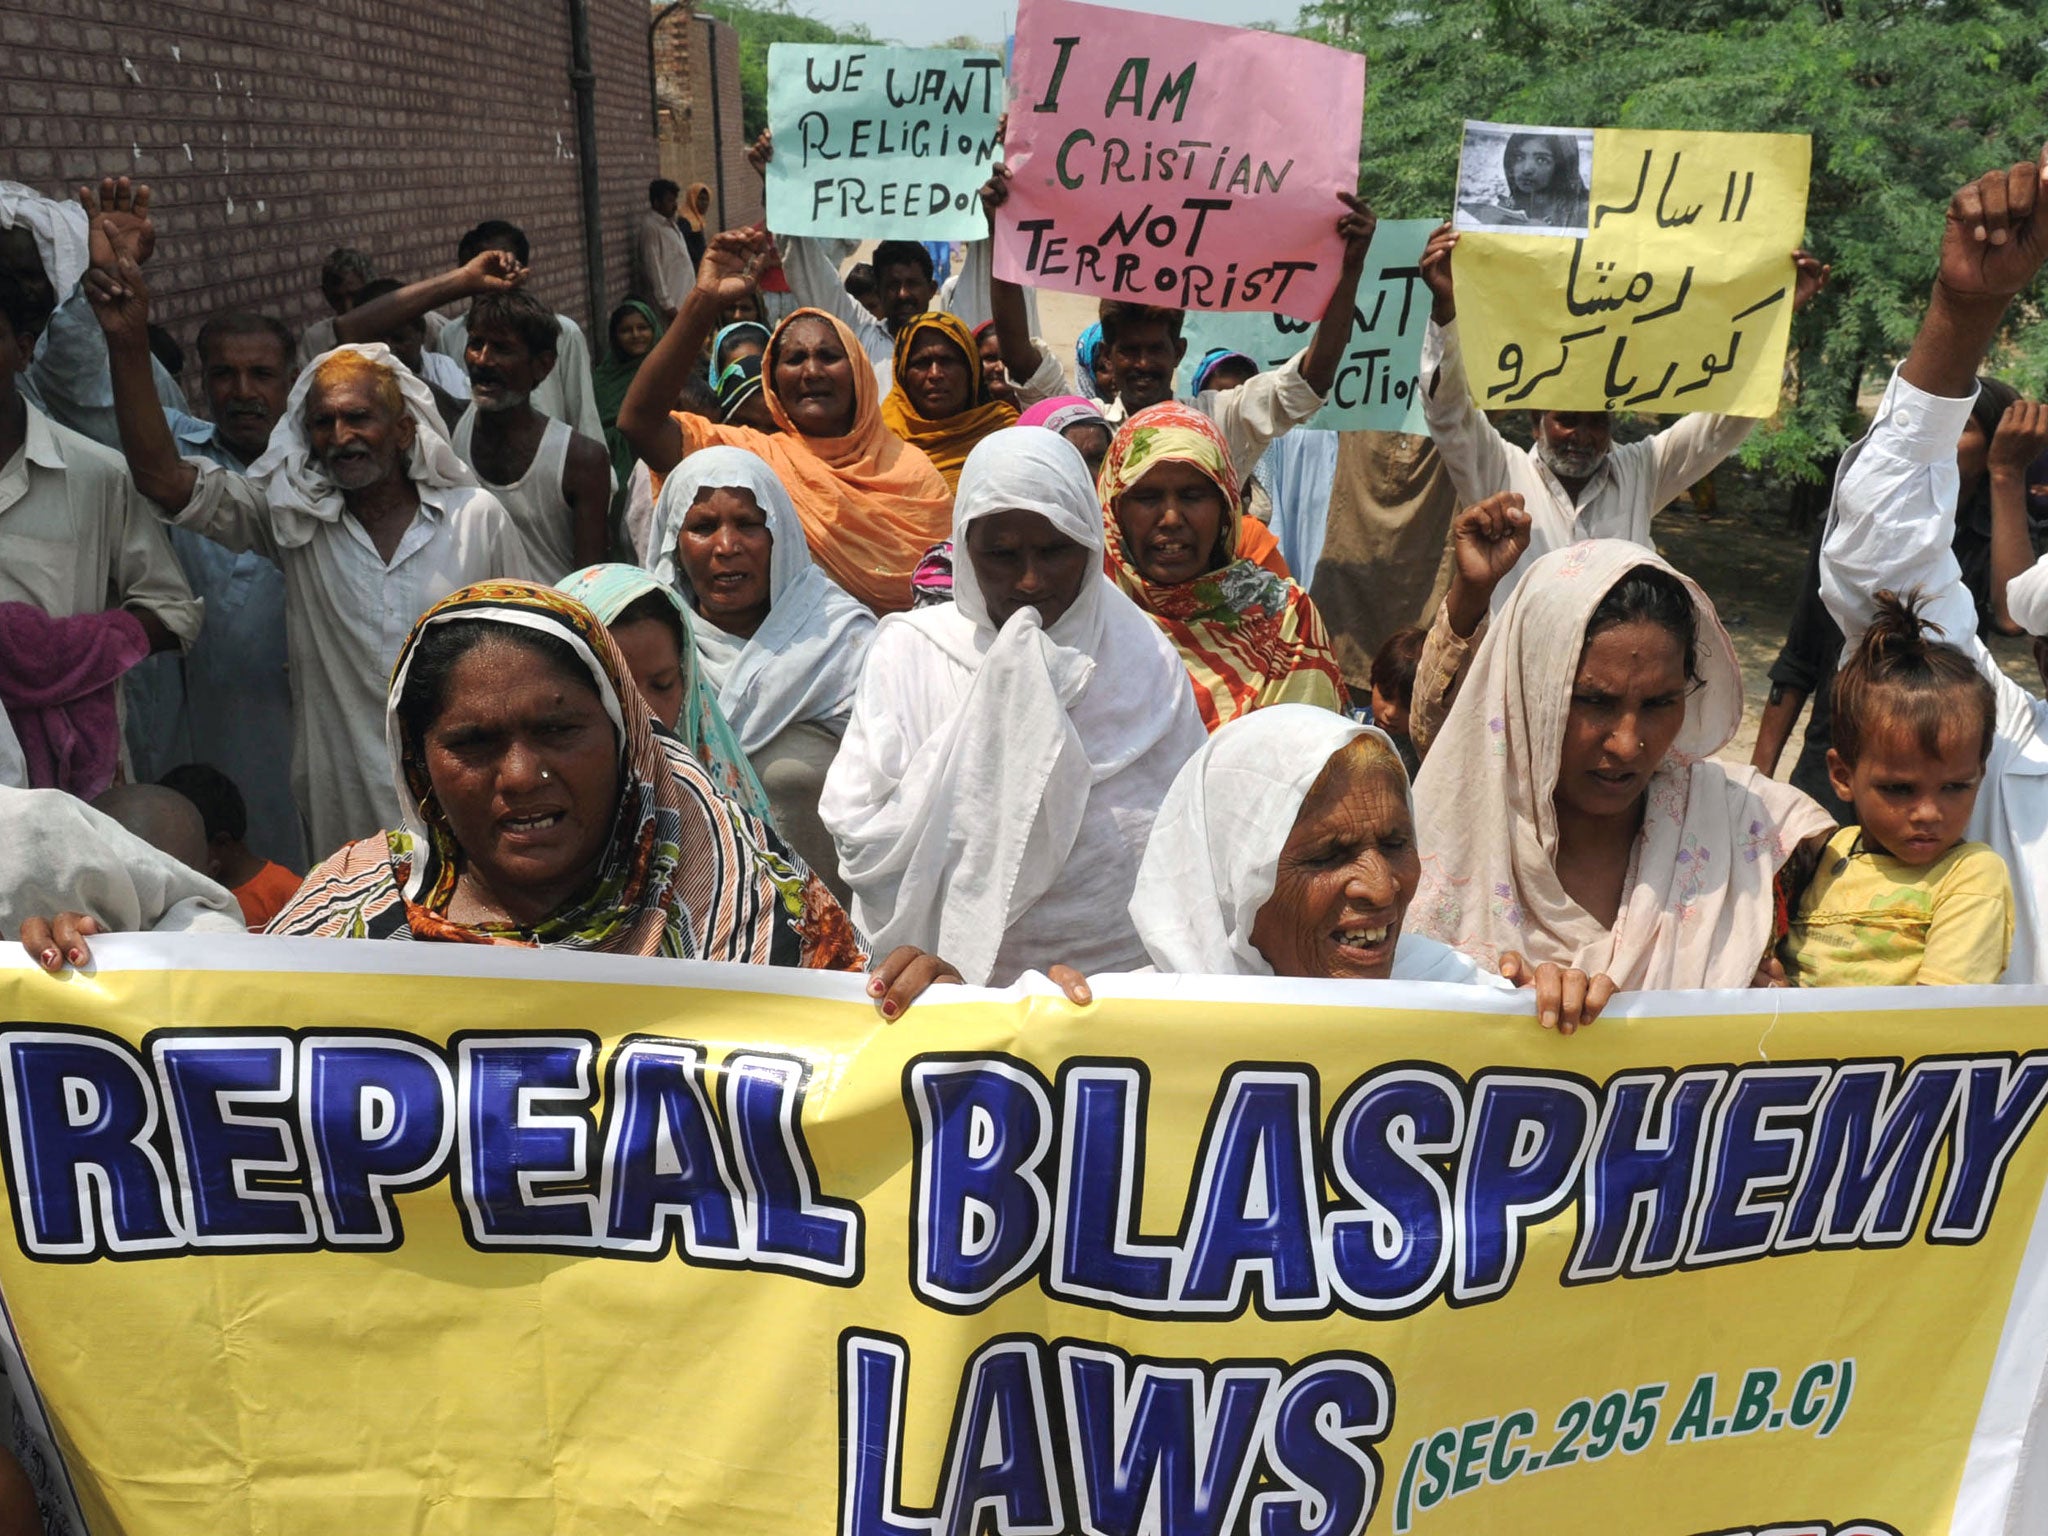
1570 808
1174 522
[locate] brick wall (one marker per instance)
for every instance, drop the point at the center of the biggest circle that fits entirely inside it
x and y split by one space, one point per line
697 91
271 134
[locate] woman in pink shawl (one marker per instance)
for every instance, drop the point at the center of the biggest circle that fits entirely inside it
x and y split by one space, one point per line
1568 808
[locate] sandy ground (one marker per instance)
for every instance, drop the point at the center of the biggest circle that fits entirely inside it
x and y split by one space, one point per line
1746 557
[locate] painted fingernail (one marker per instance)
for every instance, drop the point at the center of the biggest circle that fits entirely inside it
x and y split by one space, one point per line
51 959
875 988
889 1009
78 957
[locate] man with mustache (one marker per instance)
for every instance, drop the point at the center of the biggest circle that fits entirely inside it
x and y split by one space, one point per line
359 499
1574 483
566 393
227 700
555 481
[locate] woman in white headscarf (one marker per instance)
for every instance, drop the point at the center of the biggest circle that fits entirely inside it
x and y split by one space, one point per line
780 644
1008 751
1287 848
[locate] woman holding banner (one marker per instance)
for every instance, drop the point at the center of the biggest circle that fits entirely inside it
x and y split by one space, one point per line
544 810
871 504
1177 545
1286 847
1569 809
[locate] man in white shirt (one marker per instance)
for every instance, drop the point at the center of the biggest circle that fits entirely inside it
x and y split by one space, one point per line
662 254
566 394
1575 483
364 507
74 535
1893 520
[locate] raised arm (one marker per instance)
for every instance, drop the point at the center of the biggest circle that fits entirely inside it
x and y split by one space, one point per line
1895 501
488 272
2022 433
1326 351
1473 451
1992 244
1487 541
1021 358
121 234
725 276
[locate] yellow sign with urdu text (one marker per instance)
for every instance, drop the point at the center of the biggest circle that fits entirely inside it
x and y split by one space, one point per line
1676 295
311 1238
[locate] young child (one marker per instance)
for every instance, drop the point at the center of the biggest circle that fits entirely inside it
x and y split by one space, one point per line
1901 898
262 886
1393 689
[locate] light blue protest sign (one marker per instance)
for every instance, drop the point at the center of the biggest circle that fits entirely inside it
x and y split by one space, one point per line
874 142
1375 389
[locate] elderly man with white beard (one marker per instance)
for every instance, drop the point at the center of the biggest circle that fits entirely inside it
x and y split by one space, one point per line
361 502
554 481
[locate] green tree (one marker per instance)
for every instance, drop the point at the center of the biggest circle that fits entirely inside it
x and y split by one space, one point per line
1904 99
759 26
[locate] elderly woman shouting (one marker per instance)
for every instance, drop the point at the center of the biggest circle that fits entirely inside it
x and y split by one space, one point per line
542 808
1287 847
1569 807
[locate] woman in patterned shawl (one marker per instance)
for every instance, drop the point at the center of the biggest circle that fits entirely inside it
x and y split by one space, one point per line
540 811
1174 523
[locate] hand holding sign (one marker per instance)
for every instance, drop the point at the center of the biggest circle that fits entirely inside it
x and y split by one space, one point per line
1662 283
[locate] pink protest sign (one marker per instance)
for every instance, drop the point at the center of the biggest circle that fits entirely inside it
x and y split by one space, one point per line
1176 162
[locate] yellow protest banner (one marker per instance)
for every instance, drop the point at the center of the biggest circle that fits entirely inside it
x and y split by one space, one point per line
1675 295
334 1238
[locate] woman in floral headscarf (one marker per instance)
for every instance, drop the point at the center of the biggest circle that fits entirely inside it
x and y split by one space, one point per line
1175 544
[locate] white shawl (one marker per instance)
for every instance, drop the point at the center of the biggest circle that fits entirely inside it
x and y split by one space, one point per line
1215 848
1698 905
58 854
300 494
804 661
994 790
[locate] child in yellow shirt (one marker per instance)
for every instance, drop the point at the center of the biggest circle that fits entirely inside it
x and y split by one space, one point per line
1902 898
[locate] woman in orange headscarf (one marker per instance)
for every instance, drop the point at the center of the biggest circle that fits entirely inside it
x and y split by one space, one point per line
871 504
939 400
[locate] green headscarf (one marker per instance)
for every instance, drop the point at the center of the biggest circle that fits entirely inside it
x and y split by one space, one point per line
608 591
610 380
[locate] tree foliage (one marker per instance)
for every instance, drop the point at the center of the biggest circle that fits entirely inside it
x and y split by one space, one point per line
760 25
1904 99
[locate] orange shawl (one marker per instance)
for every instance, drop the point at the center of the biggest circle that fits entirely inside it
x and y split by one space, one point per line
871 504
947 440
